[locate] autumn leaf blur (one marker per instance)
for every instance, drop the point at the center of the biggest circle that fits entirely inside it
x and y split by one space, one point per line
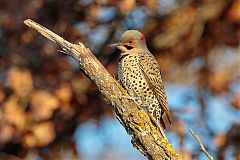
20 81
45 98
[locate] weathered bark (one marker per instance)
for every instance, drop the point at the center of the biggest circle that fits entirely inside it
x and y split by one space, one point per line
145 135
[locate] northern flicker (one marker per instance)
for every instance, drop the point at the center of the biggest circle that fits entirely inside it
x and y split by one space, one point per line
140 74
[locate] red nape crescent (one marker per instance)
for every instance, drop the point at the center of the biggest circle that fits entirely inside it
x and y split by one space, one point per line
142 37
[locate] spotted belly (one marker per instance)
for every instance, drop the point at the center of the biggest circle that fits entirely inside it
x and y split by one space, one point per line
132 79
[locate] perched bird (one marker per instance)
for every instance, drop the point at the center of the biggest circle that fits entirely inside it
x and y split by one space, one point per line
140 74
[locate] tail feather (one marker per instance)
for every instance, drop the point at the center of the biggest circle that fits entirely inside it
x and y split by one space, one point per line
162 123
168 117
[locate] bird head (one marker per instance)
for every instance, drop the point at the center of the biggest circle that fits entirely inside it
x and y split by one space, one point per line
131 39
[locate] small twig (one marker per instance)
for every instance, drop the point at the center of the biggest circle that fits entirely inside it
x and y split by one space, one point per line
201 145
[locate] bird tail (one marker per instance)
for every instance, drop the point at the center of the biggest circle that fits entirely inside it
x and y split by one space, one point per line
158 115
162 123
168 117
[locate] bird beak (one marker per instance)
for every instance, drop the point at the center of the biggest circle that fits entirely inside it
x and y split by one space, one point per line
115 44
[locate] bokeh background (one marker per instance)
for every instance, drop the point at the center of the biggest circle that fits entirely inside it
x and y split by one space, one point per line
50 111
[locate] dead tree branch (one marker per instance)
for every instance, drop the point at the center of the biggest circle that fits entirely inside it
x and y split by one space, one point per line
145 135
201 145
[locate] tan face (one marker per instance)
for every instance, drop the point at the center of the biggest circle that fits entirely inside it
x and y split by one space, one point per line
131 47
131 40
131 43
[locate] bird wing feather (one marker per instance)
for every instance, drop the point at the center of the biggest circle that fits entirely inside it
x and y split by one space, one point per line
152 74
